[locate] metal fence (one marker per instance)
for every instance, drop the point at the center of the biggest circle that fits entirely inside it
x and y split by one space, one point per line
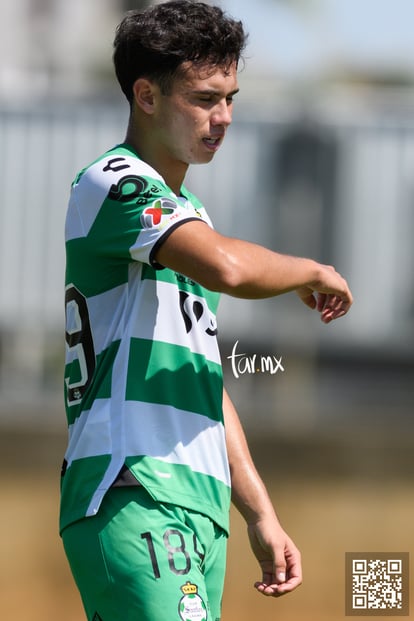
342 192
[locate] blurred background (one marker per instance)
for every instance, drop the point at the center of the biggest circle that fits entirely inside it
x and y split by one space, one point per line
319 162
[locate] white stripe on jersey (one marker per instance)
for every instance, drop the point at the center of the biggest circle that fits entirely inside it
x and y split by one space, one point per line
159 431
151 315
93 187
169 326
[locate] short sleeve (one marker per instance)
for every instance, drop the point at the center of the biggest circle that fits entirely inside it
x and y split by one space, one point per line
125 210
158 219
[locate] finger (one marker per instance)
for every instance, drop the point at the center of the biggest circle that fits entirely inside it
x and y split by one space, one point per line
307 297
271 587
277 590
321 302
269 590
334 308
279 568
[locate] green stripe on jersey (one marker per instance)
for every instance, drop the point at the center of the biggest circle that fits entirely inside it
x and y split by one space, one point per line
184 284
179 381
78 486
185 487
93 274
100 260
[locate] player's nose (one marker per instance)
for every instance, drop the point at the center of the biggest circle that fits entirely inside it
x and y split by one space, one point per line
222 113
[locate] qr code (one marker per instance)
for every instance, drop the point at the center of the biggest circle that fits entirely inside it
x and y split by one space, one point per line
377 584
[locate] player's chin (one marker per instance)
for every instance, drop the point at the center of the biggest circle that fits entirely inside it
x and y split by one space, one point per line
204 157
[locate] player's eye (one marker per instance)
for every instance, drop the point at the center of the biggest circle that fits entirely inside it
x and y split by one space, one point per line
205 98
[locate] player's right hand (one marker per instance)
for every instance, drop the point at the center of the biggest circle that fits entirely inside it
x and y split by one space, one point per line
330 295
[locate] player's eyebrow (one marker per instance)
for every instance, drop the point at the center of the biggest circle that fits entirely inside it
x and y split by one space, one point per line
214 92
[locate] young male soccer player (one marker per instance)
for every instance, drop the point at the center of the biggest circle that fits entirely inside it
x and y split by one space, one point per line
155 448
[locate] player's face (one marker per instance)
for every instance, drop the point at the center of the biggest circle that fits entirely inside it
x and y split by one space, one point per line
193 119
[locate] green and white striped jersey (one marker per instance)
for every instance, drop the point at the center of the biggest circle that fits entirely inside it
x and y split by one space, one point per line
143 378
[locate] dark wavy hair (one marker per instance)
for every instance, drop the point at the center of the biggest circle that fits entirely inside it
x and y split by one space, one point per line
155 43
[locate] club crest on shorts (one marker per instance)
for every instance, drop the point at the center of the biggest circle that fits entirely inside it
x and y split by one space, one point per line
191 607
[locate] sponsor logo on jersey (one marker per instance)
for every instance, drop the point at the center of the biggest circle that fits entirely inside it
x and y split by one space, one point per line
159 214
127 188
195 313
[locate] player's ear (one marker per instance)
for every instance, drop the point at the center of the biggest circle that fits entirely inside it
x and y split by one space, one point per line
144 94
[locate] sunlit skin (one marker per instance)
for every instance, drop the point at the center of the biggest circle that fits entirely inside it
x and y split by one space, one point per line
186 126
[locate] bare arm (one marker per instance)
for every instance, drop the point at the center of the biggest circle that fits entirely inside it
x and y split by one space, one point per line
247 270
277 555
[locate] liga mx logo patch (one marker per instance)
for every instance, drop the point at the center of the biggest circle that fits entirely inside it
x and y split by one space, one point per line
159 214
191 607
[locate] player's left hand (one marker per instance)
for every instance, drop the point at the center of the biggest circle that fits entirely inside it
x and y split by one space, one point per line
278 557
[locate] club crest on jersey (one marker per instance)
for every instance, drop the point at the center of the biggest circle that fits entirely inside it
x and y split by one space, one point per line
191 607
159 214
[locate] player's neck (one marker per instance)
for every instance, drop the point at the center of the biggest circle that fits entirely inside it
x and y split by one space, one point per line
172 170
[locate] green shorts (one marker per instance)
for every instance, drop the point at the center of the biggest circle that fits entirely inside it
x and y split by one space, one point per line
140 560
